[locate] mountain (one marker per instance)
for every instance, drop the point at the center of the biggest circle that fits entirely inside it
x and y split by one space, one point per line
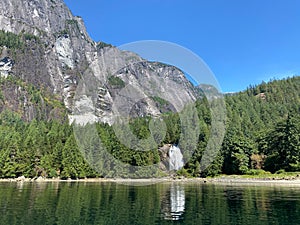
52 74
46 53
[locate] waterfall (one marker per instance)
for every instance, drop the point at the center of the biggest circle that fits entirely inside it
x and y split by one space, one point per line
176 158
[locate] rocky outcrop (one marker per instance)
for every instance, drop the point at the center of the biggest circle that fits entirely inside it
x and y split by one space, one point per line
38 17
6 65
164 164
129 85
95 81
64 51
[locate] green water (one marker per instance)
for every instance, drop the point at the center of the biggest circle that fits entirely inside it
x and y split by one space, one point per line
177 203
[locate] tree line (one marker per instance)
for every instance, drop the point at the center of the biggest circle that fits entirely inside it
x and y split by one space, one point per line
262 134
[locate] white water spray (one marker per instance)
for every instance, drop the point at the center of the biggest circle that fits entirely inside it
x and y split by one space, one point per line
176 158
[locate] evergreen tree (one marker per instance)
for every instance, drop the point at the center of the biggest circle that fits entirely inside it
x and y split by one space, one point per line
283 146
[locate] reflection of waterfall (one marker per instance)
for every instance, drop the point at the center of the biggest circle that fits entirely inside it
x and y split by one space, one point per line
176 158
177 198
174 204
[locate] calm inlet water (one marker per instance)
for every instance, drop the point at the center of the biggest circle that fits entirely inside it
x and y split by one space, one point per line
168 203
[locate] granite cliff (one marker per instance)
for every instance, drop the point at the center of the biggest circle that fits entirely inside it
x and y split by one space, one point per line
48 62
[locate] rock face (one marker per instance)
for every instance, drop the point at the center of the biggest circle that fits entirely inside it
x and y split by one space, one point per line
53 52
5 66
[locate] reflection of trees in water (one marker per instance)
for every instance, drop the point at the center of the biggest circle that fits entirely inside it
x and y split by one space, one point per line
69 203
173 202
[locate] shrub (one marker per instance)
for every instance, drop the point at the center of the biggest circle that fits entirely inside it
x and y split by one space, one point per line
280 171
116 81
257 172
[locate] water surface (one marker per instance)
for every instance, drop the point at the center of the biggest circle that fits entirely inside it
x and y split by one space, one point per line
165 203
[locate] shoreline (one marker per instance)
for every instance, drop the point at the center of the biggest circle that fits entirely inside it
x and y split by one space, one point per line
225 180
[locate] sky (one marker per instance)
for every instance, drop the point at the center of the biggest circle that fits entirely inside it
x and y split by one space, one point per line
243 42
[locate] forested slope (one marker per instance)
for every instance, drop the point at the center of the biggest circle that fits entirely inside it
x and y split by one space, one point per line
263 128
263 132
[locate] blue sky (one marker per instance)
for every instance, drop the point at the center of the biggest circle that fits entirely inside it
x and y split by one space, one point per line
243 42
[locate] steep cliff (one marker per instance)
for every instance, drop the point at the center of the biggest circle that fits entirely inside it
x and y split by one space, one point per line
42 44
